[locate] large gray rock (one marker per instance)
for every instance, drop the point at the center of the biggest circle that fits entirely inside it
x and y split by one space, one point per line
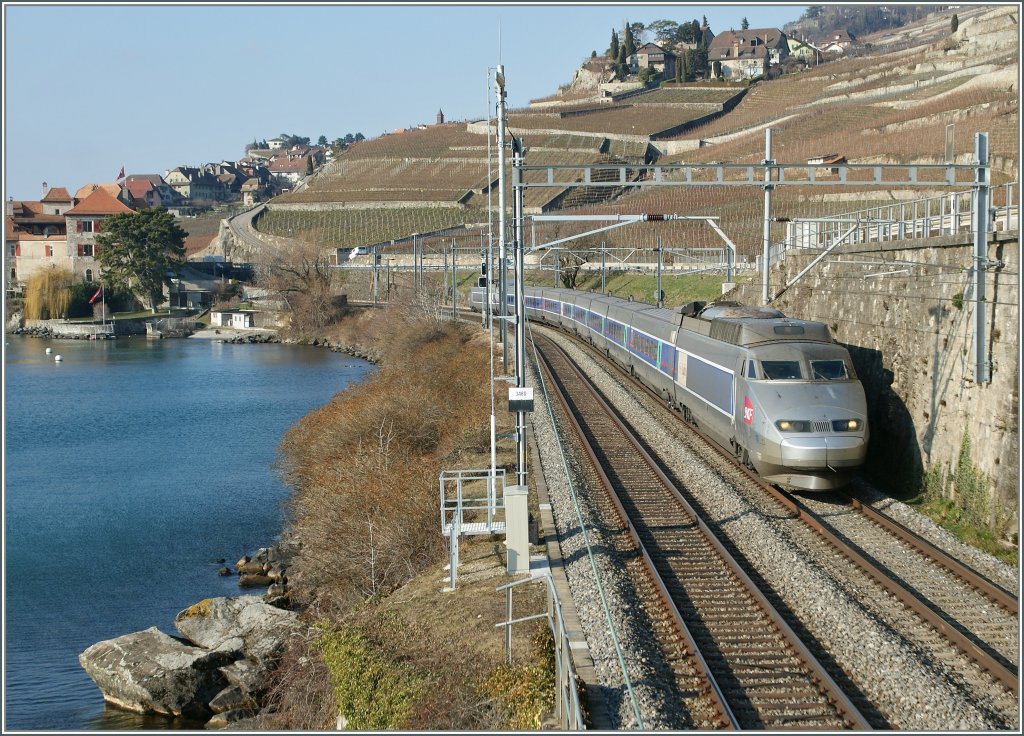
246 675
151 672
263 628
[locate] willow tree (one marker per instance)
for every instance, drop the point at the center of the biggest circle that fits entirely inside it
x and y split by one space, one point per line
140 251
48 294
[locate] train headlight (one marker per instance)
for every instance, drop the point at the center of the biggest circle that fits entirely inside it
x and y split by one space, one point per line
847 425
793 425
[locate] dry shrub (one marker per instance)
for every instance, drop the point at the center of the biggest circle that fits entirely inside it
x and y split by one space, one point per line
364 468
301 696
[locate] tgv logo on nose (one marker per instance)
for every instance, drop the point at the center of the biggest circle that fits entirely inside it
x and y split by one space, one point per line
748 411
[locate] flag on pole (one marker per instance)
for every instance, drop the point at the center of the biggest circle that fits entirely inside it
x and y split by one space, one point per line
97 295
120 175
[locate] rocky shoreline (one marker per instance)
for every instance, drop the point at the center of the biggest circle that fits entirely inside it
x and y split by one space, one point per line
54 334
218 669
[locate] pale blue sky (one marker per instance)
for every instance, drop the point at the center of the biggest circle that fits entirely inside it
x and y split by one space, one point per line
91 88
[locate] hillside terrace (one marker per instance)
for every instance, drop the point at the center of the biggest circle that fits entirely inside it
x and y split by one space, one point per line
349 228
623 121
865 120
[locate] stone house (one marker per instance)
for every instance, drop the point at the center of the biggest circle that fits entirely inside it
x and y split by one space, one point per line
57 232
746 54
84 221
194 184
655 57
35 237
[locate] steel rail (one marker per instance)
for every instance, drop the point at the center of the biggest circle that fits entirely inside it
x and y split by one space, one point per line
996 593
1007 676
822 679
713 691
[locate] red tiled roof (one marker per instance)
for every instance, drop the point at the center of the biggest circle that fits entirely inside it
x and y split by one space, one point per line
139 187
283 165
57 194
114 189
100 202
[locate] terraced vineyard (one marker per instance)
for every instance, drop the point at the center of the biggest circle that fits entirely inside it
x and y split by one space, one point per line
352 227
878 108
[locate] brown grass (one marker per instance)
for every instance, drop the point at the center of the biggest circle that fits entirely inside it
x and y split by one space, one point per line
365 467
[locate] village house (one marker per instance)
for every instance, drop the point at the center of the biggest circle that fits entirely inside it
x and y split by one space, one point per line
840 42
147 193
804 51
289 169
738 55
35 235
194 184
653 56
84 221
57 232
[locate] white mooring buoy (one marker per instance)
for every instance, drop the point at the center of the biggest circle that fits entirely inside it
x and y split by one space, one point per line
57 358
49 350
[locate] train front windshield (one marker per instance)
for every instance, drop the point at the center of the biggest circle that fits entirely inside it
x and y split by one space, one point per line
781 370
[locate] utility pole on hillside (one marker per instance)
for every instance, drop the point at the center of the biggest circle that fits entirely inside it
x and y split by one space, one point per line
499 80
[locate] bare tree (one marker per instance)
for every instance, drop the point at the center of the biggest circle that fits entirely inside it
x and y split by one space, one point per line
301 277
583 249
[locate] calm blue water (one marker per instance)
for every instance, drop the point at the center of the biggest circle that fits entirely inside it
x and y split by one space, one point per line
130 468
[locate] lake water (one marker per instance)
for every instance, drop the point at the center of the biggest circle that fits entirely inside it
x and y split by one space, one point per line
130 468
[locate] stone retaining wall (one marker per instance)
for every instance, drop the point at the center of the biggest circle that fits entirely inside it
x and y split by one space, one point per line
60 328
910 335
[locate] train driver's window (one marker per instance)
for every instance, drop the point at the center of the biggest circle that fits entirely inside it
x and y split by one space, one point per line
780 370
829 370
751 369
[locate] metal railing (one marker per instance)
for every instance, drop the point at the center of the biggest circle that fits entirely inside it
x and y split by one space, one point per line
465 513
946 214
567 697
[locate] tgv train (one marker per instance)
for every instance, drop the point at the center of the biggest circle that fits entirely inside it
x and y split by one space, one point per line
779 392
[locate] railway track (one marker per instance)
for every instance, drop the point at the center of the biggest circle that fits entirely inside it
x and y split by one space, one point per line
977 616
758 672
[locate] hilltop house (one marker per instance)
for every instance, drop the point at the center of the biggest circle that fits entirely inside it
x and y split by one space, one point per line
840 42
192 183
804 51
150 190
653 56
747 54
288 169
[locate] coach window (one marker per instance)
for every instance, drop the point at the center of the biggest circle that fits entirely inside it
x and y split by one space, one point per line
751 369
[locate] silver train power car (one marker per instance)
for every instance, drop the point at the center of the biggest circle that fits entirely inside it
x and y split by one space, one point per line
779 392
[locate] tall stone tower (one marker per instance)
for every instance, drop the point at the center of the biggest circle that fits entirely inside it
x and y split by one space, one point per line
440 117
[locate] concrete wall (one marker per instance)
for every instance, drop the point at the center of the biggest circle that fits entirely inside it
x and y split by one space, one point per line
60 328
911 337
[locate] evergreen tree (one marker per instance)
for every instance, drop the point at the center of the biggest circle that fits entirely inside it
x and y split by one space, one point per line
954 23
613 49
628 45
138 250
744 24
309 165
681 69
